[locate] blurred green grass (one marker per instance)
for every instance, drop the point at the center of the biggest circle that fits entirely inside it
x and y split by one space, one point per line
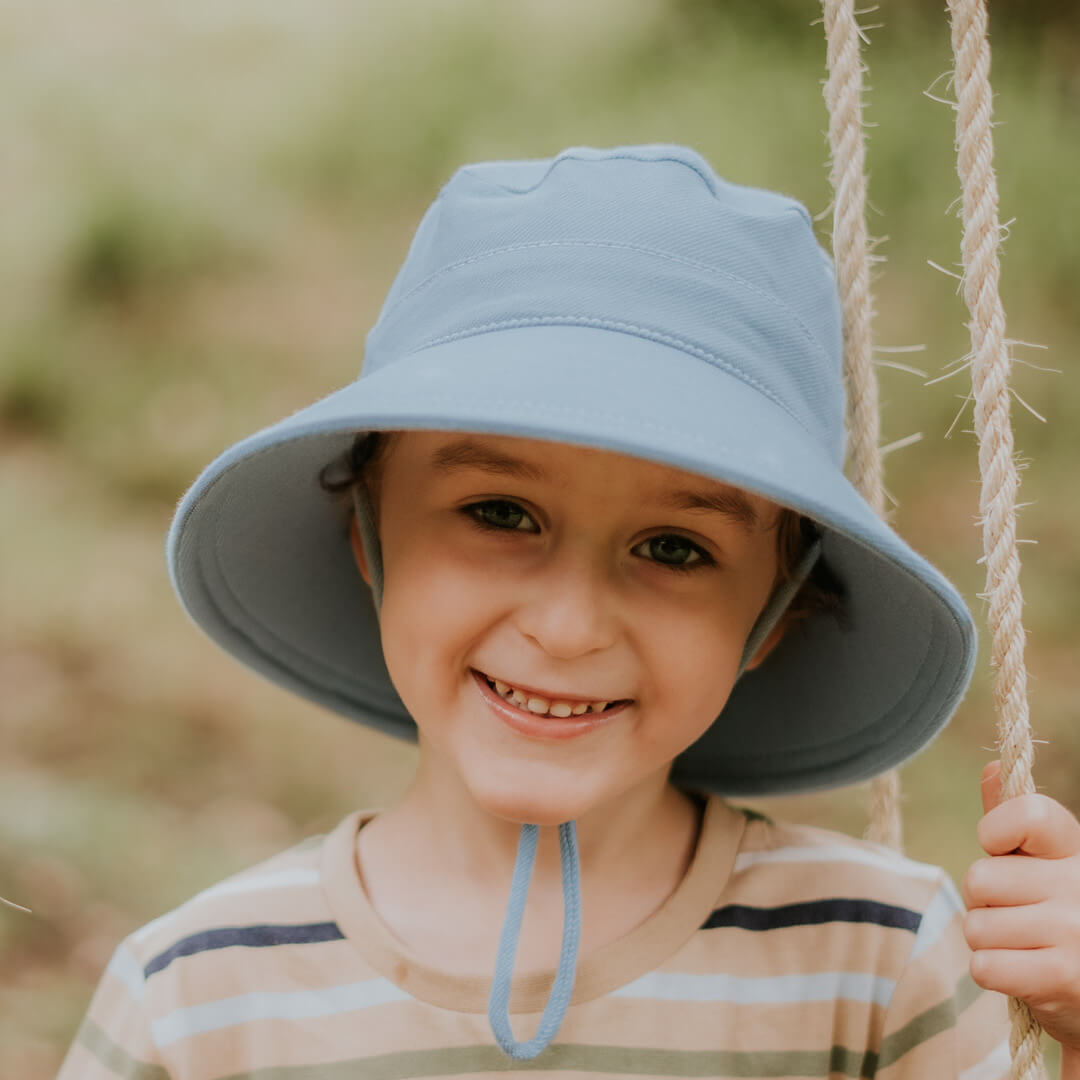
211 203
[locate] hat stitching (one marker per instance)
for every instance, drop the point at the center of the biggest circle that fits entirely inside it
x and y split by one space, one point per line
264 442
622 327
670 256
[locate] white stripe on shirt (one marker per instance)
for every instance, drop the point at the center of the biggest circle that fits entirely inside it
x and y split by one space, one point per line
124 967
939 913
770 990
274 1005
882 860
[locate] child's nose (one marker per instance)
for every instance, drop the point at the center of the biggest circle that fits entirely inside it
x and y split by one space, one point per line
571 610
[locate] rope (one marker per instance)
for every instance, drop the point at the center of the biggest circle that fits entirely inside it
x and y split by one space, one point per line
851 251
990 368
886 823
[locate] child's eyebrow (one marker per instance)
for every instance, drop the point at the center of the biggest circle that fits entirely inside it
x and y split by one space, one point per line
730 503
469 454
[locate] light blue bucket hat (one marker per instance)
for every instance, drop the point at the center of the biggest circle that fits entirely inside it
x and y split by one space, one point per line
627 299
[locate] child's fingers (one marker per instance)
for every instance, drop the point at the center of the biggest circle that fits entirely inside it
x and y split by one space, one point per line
1045 978
1033 926
1036 975
1010 880
1032 824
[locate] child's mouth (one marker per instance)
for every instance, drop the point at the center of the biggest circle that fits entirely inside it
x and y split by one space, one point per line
549 708
553 721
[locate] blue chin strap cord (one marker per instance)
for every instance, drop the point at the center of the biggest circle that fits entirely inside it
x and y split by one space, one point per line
778 603
559 998
561 991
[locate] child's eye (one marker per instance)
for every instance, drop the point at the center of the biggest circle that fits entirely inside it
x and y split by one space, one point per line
669 550
500 514
677 553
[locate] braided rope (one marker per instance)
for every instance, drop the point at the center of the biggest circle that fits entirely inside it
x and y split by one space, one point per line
990 368
886 823
851 251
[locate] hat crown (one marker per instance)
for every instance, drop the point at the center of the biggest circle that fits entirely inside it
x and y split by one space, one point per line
646 240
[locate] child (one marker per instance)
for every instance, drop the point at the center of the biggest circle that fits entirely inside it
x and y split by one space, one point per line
581 529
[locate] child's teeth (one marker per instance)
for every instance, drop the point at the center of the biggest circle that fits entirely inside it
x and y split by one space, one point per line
541 706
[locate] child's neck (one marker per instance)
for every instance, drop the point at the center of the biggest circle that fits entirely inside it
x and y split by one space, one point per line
633 855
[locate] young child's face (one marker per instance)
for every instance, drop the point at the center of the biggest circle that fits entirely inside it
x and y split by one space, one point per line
561 574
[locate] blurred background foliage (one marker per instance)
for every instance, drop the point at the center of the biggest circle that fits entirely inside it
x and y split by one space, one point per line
204 206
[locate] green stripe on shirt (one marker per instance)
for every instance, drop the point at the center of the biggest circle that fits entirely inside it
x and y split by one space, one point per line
931 1022
451 1061
113 1058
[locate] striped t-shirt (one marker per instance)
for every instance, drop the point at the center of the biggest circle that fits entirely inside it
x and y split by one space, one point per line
786 951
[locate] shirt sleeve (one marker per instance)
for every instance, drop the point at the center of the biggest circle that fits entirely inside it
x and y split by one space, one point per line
939 1022
116 1039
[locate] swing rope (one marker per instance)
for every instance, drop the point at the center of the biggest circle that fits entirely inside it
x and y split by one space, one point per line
990 364
851 252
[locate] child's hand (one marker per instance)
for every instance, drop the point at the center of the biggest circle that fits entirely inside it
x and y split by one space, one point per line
1023 920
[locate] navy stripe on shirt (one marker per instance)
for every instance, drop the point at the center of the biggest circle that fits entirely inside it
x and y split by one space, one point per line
813 913
252 937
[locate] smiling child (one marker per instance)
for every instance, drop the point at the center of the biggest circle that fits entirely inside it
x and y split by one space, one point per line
581 529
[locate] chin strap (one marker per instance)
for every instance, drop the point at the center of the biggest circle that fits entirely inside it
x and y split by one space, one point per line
563 988
778 603
369 538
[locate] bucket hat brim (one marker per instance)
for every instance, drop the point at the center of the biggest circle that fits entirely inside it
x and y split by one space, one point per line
259 552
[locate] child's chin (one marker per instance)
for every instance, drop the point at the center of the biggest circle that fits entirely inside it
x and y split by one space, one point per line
534 805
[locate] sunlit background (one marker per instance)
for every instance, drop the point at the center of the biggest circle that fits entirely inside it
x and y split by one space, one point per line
203 205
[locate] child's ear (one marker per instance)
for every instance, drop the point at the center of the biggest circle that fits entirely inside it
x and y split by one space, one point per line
358 549
767 646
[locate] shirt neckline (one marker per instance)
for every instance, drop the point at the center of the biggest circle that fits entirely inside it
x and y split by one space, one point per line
613 965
